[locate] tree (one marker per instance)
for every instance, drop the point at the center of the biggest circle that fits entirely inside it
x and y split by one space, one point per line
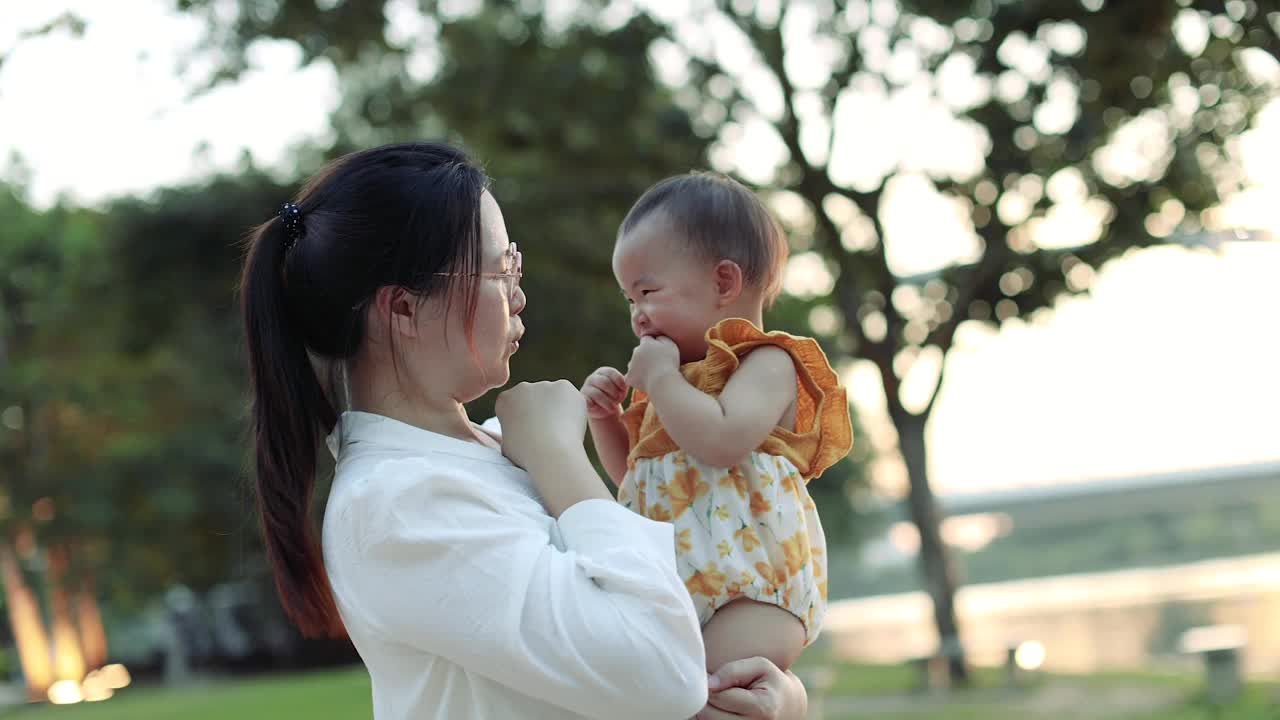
135 409
42 255
121 396
1118 112
1061 89
510 83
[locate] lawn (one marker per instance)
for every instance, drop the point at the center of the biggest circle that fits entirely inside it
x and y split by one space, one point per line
331 695
857 692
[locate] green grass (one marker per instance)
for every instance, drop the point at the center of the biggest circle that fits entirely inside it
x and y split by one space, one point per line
861 692
1257 702
331 695
858 692
1260 701
854 679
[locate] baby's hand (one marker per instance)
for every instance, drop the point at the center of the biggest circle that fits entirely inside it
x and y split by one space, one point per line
652 358
604 390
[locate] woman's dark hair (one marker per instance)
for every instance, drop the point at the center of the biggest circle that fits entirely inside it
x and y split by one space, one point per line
721 219
390 216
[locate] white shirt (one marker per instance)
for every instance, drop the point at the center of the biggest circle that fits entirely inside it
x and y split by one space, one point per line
467 601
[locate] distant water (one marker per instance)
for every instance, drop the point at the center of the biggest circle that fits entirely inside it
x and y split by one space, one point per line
1122 620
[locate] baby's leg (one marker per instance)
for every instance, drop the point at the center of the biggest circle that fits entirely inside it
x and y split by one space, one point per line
746 628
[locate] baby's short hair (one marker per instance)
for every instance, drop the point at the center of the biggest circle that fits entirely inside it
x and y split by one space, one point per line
721 219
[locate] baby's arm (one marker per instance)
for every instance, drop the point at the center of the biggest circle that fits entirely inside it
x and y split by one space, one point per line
746 628
604 391
721 431
609 436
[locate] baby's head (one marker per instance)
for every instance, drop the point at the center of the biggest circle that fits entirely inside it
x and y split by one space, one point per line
696 249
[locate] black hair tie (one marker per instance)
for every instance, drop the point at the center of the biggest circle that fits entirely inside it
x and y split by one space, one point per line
291 216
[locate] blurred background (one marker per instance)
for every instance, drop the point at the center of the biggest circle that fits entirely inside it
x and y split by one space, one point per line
1038 238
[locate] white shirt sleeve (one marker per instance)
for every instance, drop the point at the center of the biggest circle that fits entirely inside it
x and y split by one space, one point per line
604 628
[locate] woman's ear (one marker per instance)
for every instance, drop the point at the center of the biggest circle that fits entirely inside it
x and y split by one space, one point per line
399 308
729 282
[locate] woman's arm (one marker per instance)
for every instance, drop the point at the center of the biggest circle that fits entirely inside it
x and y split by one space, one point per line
545 422
604 628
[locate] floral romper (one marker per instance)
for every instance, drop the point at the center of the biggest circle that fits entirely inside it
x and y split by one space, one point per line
748 531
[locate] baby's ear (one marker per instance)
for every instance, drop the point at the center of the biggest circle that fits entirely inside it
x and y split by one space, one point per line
729 281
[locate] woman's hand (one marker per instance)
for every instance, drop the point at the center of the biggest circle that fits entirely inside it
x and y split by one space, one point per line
755 688
543 425
540 421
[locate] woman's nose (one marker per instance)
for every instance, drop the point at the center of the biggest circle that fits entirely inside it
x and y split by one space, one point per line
518 301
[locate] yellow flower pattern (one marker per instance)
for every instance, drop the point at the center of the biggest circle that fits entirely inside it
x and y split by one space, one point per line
707 581
791 482
659 513
685 487
735 480
750 531
684 543
760 505
796 551
747 538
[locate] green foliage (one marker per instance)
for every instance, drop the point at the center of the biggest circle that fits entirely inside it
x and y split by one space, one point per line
118 337
1120 64
122 332
122 353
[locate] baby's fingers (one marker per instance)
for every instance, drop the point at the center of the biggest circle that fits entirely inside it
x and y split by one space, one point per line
615 378
598 403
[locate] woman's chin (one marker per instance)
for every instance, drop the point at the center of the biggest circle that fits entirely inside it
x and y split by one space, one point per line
484 380
500 375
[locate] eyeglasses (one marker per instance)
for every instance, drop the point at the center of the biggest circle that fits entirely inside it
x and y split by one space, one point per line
514 263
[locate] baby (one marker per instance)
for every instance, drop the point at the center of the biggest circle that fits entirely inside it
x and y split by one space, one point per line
727 423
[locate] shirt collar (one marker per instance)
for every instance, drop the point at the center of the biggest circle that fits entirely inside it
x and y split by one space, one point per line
379 430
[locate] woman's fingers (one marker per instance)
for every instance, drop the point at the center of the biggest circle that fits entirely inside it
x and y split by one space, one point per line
741 702
712 713
741 673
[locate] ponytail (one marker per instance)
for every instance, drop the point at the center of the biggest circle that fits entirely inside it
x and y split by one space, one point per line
290 414
397 215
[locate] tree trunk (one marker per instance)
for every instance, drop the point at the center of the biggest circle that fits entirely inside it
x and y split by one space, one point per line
28 627
68 658
935 557
93 637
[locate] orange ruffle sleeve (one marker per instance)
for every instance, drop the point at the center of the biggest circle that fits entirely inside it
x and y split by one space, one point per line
824 432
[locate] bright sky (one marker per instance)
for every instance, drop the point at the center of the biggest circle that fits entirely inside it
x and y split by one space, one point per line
1172 363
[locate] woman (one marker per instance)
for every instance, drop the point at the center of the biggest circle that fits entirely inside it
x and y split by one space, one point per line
479 574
